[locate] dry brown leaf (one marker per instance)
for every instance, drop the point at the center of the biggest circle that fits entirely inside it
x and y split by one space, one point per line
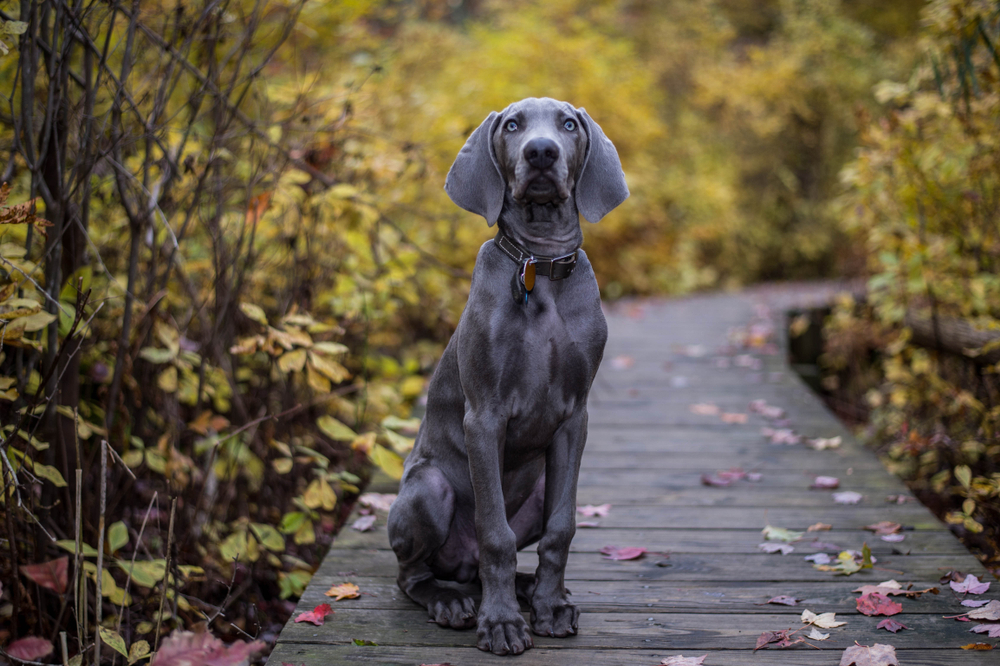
343 591
819 527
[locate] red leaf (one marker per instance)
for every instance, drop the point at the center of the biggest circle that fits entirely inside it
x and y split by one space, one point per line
876 603
30 648
891 625
316 615
781 639
825 483
51 575
863 655
970 585
709 480
183 648
616 553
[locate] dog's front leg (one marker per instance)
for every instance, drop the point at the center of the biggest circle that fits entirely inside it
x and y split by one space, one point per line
552 614
501 629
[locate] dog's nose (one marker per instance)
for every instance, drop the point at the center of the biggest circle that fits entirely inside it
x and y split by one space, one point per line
541 152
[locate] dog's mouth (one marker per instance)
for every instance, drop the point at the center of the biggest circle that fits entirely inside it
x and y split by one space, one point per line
540 189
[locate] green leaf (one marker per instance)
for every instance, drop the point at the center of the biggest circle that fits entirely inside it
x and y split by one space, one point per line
293 361
157 355
138 650
145 573
269 537
398 424
780 534
362 641
117 536
114 640
49 473
291 522
70 545
334 429
15 27
964 475
330 348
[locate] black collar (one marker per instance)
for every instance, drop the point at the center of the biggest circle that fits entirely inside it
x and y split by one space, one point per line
556 268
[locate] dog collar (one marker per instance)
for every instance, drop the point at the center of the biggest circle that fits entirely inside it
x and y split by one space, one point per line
556 268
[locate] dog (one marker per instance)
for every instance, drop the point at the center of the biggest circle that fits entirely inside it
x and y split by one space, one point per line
497 456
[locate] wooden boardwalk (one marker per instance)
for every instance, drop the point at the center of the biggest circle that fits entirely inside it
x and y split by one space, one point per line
702 587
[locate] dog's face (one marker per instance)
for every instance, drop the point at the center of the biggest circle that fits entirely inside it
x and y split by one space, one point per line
540 145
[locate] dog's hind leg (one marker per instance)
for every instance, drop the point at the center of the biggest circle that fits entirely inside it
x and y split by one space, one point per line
419 523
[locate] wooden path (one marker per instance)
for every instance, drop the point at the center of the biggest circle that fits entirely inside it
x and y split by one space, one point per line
702 589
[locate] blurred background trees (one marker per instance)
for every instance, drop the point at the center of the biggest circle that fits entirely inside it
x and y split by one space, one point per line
226 250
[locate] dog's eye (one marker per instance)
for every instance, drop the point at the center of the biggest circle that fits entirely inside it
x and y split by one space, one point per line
511 126
569 125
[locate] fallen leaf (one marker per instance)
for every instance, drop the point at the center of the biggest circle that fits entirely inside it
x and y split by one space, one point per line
622 362
588 523
819 527
990 611
875 603
711 480
754 477
379 501
616 553
705 409
316 615
364 642
876 655
769 547
823 620
892 538
891 587
767 411
847 497
343 591
731 417
681 660
825 483
823 443
182 648
781 435
991 630
970 585
364 523
891 625
781 639
30 648
780 534
975 603
819 558
51 575
977 646
884 527
591 511
784 600
816 635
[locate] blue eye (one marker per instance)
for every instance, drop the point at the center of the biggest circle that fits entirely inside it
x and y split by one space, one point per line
511 126
569 125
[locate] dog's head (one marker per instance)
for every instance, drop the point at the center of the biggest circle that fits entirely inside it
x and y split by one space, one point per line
541 151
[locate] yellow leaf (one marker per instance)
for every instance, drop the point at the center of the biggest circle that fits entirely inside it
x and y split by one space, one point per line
335 371
334 429
316 381
292 361
330 348
138 650
400 444
388 461
114 640
282 465
255 312
319 494
343 591
167 381
305 535
364 442
50 474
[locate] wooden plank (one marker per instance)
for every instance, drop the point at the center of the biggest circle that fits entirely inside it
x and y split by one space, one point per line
678 567
665 596
649 629
304 654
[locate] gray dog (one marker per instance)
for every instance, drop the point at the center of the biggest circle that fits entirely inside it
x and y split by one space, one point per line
497 457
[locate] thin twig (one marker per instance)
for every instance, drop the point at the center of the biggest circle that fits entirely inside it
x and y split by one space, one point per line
166 575
98 611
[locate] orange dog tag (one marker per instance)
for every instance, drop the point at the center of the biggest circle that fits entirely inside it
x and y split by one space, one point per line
528 275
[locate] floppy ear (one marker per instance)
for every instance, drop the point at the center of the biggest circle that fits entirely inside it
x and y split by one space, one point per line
601 185
474 181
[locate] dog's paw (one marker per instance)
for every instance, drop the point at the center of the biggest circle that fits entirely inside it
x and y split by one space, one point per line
452 609
504 633
558 619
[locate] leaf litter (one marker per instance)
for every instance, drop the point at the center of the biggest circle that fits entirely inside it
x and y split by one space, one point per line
863 655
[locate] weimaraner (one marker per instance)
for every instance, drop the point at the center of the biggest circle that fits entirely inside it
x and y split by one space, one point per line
497 457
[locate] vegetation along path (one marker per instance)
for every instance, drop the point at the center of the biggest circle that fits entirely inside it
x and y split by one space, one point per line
677 449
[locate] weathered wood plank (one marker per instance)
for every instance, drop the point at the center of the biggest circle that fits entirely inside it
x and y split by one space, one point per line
667 596
391 655
649 629
714 567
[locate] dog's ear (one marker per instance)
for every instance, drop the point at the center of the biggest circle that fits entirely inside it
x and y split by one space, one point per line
601 185
474 181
